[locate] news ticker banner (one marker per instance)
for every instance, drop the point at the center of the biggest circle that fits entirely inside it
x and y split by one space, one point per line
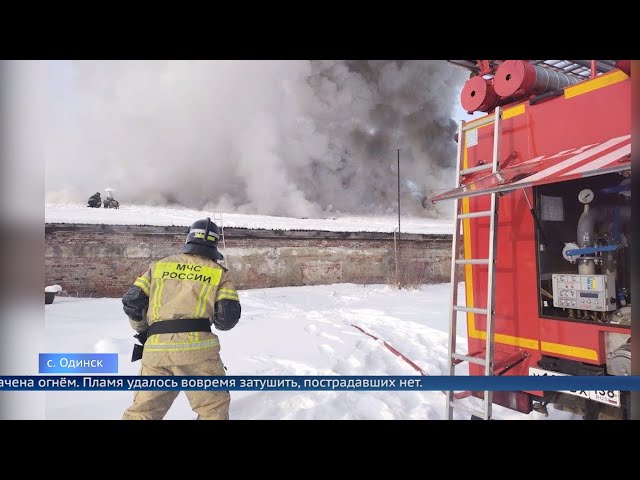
95 365
321 383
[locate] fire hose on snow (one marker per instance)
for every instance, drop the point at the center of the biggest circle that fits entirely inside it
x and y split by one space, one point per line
392 350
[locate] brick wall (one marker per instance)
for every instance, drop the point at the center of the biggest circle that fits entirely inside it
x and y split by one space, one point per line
103 260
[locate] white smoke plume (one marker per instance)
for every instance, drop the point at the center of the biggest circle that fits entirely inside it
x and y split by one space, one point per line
292 138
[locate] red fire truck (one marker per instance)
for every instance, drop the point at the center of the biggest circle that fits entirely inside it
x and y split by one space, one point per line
542 231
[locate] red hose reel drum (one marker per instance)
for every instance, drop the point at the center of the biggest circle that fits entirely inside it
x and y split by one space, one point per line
515 78
519 78
478 95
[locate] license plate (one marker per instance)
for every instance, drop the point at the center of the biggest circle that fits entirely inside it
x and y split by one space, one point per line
608 397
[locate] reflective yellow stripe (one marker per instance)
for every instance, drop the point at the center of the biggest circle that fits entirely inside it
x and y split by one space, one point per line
204 302
595 84
187 271
162 282
228 290
203 289
504 339
227 297
156 286
227 293
176 347
157 299
143 286
506 113
209 237
202 308
156 314
513 112
466 238
578 352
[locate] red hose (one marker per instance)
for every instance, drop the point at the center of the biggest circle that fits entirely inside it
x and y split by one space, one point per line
393 350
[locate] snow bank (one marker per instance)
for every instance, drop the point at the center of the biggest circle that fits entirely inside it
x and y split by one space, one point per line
183 217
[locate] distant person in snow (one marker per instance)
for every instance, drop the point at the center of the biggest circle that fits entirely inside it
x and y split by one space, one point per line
111 202
172 306
95 201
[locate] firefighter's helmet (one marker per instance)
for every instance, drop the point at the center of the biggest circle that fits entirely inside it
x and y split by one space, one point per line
206 234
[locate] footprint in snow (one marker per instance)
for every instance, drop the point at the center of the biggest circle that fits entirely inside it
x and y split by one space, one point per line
113 345
328 349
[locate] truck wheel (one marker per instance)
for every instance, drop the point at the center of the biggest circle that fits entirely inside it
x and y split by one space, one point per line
592 411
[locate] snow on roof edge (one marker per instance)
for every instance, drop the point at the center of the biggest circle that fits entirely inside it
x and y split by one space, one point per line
65 214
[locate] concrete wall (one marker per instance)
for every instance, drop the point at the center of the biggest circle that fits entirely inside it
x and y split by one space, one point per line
103 260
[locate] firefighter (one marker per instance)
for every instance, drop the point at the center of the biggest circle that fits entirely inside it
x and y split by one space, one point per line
111 202
172 306
94 200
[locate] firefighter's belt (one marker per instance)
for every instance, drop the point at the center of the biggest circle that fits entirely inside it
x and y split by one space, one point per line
181 325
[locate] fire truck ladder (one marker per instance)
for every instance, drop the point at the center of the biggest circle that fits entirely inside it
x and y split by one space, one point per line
456 358
217 219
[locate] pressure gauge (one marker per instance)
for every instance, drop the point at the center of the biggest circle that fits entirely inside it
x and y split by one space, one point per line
585 196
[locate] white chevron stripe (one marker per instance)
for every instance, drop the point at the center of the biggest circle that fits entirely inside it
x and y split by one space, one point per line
573 160
602 161
573 150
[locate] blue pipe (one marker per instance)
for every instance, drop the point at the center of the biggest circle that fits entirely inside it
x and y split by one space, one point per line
617 189
587 250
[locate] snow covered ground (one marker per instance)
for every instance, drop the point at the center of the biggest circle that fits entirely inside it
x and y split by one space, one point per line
165 216
286 331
